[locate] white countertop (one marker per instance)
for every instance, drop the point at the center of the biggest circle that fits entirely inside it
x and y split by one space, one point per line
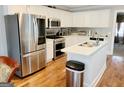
82 50
75 36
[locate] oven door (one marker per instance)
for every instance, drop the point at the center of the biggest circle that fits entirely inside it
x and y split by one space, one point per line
58 54
58 51
60 46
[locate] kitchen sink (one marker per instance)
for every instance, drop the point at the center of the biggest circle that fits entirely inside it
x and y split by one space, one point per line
89 44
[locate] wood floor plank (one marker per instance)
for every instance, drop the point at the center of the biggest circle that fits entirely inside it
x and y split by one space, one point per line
54 75
114 74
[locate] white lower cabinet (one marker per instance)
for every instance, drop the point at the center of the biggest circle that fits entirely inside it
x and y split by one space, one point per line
49 50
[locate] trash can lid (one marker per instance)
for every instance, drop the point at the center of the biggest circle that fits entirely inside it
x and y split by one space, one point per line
75 65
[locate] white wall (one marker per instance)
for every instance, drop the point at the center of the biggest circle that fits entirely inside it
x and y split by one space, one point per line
3 44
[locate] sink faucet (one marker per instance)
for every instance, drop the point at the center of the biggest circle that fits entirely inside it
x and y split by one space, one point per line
97 39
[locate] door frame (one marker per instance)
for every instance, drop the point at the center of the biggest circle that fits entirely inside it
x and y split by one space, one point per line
114 27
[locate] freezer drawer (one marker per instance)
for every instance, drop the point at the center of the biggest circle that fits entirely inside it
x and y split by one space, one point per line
33 62
25 66
42 59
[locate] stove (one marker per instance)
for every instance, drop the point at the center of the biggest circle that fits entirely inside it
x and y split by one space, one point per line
53 37
58 44
56 38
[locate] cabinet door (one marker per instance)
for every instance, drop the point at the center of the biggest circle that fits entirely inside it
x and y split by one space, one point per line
66 19
12 9
97 18
38 10
92 19
104 18
78 19
49 49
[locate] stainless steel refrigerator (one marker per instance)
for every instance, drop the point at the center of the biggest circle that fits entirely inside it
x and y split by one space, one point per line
26 41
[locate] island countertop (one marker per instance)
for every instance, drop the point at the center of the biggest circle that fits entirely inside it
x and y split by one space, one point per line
84 50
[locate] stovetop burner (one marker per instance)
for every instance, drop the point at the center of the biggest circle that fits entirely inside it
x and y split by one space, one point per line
53 37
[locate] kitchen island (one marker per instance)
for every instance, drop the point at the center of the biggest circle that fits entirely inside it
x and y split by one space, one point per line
94 58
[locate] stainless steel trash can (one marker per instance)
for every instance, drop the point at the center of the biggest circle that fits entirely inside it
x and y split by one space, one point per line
74 73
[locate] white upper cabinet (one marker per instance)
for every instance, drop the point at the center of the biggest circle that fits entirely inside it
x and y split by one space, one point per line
97 18
66 19
64 16
79 19
37 9
12 9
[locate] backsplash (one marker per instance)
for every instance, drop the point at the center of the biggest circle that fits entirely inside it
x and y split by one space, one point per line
52 31
102 32
59 31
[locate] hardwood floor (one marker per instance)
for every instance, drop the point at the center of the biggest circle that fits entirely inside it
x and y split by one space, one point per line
54 75
114 74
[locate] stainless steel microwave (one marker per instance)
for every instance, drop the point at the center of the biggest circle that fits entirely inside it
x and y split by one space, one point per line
54 23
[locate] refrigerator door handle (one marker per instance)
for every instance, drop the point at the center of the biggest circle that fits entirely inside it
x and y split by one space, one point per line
34 27
36 31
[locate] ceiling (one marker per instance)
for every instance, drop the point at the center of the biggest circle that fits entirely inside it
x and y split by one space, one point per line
77 8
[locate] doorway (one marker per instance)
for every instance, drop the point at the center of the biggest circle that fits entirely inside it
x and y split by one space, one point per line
119 36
